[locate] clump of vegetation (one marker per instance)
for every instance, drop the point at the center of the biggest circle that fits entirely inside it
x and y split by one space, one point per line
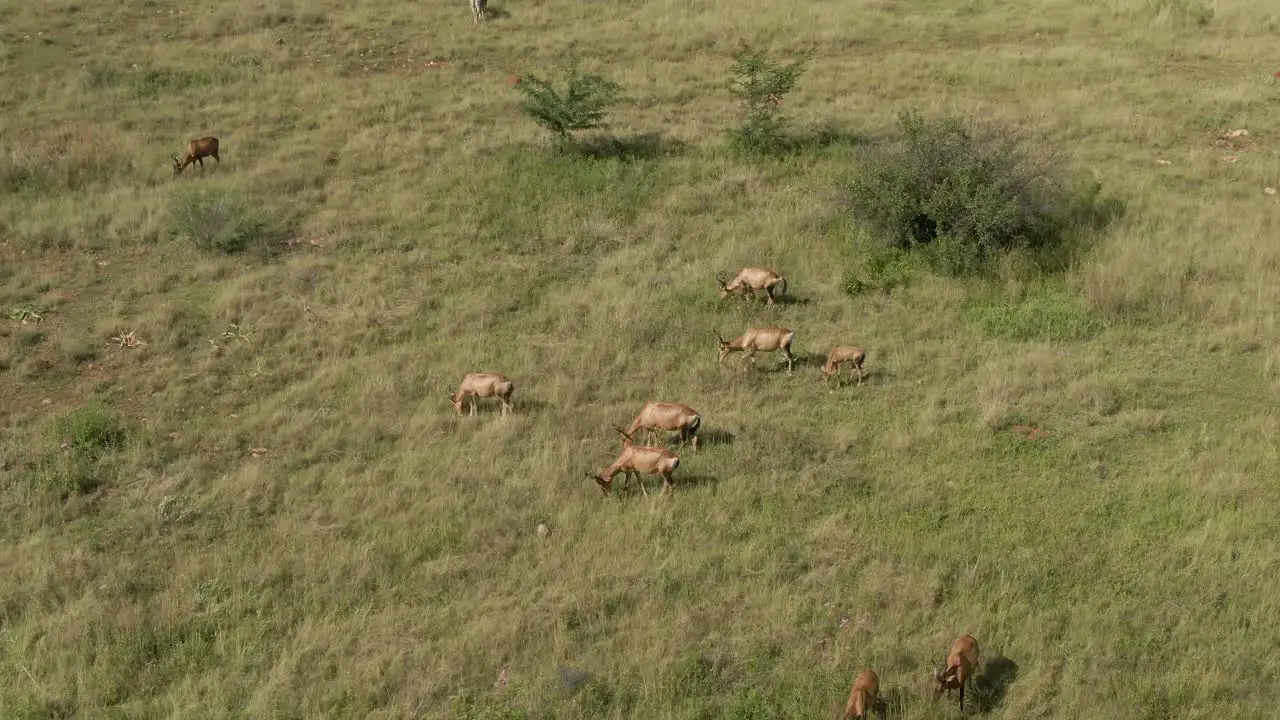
91 430
218 221
885 270
1050 314
583 105
759 84
82 443
958 194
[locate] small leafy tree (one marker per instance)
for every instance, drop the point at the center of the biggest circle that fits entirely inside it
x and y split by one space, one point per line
759 84
583 105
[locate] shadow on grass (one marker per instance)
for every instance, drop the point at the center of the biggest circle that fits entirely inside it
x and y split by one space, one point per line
806 359
530 405
825 135
765 364
490 406
991 685
494 13
645 146
715 437
759 299
894 703
694 481
870 377
653 485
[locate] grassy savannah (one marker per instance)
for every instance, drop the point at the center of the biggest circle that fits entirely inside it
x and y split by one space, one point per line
232 485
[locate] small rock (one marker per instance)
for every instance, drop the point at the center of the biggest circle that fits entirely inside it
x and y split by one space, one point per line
1269 191
46 401
543 530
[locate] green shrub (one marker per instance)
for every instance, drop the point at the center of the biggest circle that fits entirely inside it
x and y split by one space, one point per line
759 84
885 270
91 430
1048 315
219 221
583 105
959 193
82 455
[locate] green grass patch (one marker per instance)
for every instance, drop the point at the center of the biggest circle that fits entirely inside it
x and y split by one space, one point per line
1046 314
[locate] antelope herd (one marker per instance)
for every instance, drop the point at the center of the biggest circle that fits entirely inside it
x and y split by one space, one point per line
669 417
660 418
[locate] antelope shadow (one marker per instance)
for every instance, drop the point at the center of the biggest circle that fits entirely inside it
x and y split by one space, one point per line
825 135
715 437
644 146
653 485
529 404
992 683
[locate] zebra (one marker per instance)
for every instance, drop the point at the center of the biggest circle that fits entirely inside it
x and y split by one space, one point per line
478 9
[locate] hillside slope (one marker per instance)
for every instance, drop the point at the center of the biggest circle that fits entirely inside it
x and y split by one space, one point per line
267 508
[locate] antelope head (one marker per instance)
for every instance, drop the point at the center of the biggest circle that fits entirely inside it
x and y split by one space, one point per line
943 677
606 486
725 347
723 282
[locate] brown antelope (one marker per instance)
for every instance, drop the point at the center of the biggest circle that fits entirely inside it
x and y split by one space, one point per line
959 667
840 355
483 385
666 417
197 150
751 279
866 688
761 340
639 460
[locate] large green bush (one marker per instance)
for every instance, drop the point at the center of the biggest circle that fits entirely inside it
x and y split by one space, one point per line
958 193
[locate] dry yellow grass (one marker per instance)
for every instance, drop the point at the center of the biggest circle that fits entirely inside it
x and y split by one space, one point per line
296 524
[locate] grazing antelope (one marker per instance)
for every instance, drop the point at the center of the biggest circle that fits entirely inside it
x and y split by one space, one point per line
197 150
961 661
667 417
479 9
639 460
866 688
840 355
751 279
483 385
758 339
